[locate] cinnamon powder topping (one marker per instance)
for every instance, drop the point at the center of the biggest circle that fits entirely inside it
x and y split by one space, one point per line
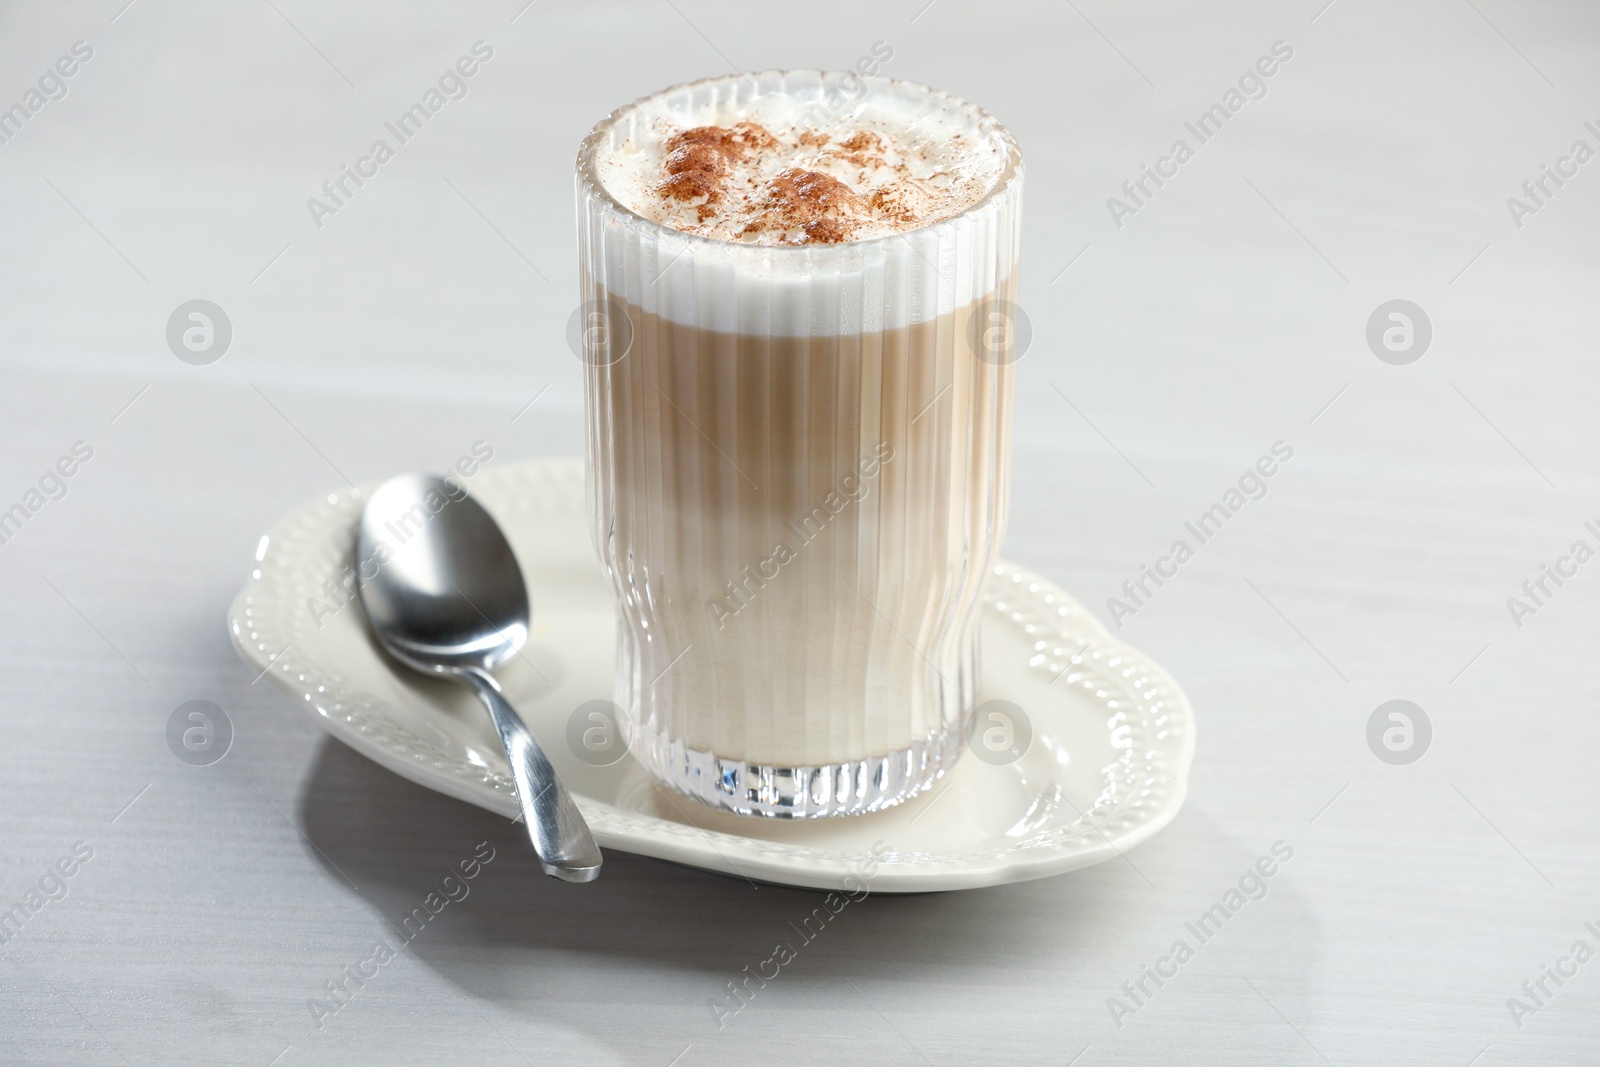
791 183
818 208
698 159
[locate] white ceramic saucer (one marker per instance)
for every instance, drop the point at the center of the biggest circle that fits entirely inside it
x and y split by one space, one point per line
1112 735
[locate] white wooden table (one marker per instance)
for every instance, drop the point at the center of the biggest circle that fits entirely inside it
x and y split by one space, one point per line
1227 312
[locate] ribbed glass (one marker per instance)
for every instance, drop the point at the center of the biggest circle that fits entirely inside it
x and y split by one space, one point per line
798 467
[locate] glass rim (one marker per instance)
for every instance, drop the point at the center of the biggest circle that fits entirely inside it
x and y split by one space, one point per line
1009 177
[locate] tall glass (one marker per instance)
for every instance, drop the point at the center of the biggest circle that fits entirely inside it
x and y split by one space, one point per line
798 463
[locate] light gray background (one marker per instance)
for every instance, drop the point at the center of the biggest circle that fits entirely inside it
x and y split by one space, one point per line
1228 314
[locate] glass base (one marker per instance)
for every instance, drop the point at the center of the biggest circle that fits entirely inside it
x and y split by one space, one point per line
852 788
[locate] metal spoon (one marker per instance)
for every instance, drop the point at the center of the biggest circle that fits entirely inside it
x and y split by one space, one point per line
444 595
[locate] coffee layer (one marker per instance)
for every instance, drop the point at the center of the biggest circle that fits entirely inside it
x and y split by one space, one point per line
813 518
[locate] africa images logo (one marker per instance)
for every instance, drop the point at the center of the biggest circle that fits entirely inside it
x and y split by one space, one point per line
452 85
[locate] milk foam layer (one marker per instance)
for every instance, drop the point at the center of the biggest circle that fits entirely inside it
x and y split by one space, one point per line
795 169
809 290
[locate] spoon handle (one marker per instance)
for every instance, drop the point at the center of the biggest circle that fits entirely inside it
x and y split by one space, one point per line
566 848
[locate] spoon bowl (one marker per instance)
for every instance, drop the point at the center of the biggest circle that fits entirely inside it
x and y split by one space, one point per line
451 594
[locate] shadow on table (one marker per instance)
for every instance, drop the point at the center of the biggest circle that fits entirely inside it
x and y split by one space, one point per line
520 936
396 841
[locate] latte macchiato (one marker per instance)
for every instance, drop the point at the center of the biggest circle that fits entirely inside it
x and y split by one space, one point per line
798 407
